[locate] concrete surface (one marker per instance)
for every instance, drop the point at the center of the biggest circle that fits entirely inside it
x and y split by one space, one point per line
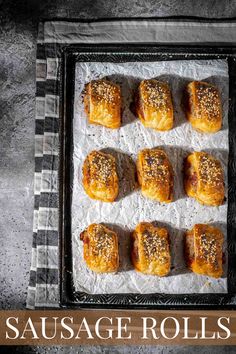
119 350
18 31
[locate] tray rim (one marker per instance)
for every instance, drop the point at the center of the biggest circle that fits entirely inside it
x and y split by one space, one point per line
70 55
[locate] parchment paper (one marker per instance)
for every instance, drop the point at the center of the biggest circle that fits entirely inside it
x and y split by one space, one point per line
131 207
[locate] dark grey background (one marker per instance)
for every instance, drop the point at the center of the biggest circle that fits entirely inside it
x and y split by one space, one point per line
18 32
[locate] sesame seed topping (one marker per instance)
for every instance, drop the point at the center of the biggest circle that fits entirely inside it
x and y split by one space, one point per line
210 170
105 91
102 167
103 242
156 94
155 246
208 248
155 165
208 101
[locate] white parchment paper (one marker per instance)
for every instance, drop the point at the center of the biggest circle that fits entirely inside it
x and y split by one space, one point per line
131 207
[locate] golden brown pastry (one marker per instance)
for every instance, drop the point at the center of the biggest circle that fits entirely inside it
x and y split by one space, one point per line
202 106
155 175
100 248
153 105
100 178
203 250
150 252
102 102
204 179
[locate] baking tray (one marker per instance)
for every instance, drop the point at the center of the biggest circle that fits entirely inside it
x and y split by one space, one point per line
128 53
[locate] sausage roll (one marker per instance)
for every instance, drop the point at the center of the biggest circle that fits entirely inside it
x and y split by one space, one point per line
202 106
153 105
203 250
150 250
102 102
100 248
100 178
204 179
155 175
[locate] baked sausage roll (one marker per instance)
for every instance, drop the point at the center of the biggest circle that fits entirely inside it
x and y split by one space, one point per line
153 105
203 250
150 249
202 106
204 179
100 178
102 103
155 175
100 248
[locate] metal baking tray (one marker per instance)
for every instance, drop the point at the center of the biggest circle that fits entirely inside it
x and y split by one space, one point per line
128 53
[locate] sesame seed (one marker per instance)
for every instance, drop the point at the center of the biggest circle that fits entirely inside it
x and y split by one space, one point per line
155 246
155 165
156 94
208 248
210 170
105 91
102 167
208 101
103 241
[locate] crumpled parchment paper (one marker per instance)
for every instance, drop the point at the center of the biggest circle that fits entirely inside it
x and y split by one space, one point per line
131 207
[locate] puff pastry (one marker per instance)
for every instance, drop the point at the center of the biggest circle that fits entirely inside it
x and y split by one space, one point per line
150 251
100 178
155 175
153 105
204 179
203 250
102 102
100 248
202 105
